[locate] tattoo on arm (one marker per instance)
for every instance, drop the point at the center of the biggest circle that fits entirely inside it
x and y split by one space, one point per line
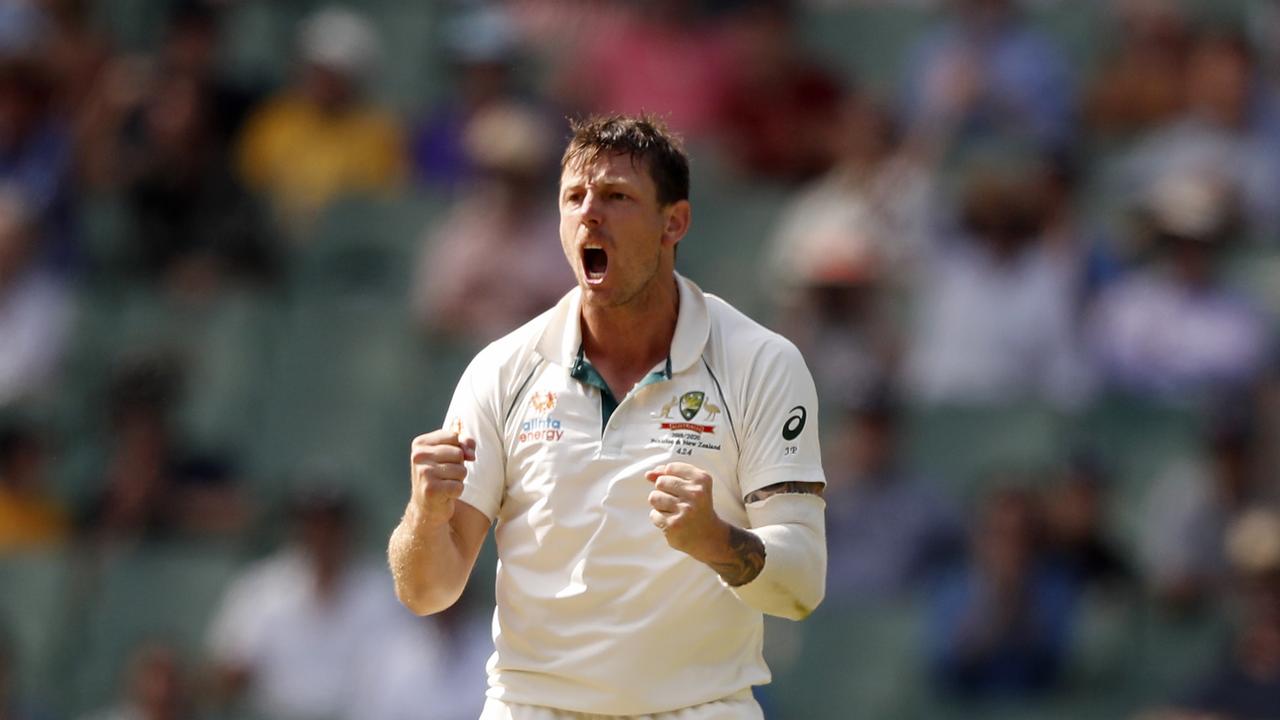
748 558
791 486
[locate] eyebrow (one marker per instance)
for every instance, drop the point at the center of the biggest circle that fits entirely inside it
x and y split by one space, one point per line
605 183
599 186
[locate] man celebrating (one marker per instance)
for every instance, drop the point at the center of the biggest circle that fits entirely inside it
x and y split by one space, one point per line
637 397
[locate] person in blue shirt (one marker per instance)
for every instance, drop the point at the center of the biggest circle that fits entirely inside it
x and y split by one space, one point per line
1001 625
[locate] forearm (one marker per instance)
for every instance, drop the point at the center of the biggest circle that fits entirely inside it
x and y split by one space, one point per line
792 581
428 564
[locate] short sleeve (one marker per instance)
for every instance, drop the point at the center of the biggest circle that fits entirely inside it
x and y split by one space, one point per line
780 428
474 412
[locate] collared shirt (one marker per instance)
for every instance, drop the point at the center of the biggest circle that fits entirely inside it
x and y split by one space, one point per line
302 649
1154 335
992 331
595 612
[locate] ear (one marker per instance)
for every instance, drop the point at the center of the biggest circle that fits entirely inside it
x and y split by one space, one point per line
678 216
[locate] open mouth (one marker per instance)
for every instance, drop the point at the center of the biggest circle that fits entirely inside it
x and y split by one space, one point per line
595 262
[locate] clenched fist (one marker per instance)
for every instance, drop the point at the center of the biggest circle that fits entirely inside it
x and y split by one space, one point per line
682 509
436 461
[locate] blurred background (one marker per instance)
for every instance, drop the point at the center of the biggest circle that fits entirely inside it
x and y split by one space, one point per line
1030 249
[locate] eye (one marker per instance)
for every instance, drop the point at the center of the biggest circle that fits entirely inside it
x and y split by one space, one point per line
615 195
573 197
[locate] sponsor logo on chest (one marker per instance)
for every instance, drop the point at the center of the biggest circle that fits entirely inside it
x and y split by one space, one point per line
543 427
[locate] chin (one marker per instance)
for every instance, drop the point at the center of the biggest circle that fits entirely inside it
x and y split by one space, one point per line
596 295
601 296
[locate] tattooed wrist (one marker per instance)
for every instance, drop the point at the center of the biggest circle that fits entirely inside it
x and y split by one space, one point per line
747 554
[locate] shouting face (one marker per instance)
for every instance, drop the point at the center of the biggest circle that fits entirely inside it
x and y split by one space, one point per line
619 240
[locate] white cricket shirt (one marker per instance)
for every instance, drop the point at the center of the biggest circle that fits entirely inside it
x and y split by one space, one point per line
595 612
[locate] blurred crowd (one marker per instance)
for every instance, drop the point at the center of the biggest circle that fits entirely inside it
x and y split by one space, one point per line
991 232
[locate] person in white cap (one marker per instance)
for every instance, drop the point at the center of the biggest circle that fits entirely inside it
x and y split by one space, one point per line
1175 328
649 456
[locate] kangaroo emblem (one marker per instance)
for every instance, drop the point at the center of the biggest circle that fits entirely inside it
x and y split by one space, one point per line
666 408
712 410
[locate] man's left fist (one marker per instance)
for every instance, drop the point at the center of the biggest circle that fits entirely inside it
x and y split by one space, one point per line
681 508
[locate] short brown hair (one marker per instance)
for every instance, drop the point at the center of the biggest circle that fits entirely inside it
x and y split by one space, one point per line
644 138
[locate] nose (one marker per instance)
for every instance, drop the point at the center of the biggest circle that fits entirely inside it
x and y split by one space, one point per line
590 209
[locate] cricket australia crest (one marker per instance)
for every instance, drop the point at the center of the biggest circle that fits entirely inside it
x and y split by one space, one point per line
691 403
687 435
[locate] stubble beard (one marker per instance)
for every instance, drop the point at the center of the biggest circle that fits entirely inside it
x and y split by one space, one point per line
634 297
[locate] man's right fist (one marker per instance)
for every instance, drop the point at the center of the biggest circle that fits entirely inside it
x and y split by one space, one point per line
437 471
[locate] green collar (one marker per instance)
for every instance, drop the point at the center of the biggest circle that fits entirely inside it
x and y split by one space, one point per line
583 371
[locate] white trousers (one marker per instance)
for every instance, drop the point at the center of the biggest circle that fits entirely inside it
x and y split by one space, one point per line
739 706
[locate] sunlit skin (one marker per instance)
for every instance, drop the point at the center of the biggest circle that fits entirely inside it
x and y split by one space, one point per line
629 310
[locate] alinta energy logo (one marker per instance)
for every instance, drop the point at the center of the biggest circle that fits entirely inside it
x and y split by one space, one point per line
689 405
543 427
543 402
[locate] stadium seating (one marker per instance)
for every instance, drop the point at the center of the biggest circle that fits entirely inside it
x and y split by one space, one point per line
1176 649
34 609
1136 440
1107 648
260 42
868 44
859 663
970 447
732 222
132 595
346 367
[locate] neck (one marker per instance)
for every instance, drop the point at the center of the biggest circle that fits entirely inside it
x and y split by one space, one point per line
634 337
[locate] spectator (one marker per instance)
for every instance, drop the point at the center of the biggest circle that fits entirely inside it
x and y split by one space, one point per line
1189 508
1172 329
30 516
998 306
441 657
155 687
190 48
878 167
151 487
35 306
158 133
1140 85
460 292
24 27
321 137
985 72
550 27
835 295
662 57
845 251
287 637
483 53
1002 626
78 53
781 103
1076 515
36 153
1072 230
887 530
196 226
1245 685
1228 133
116 116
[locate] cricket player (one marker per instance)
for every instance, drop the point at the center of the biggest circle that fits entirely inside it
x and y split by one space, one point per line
648 456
